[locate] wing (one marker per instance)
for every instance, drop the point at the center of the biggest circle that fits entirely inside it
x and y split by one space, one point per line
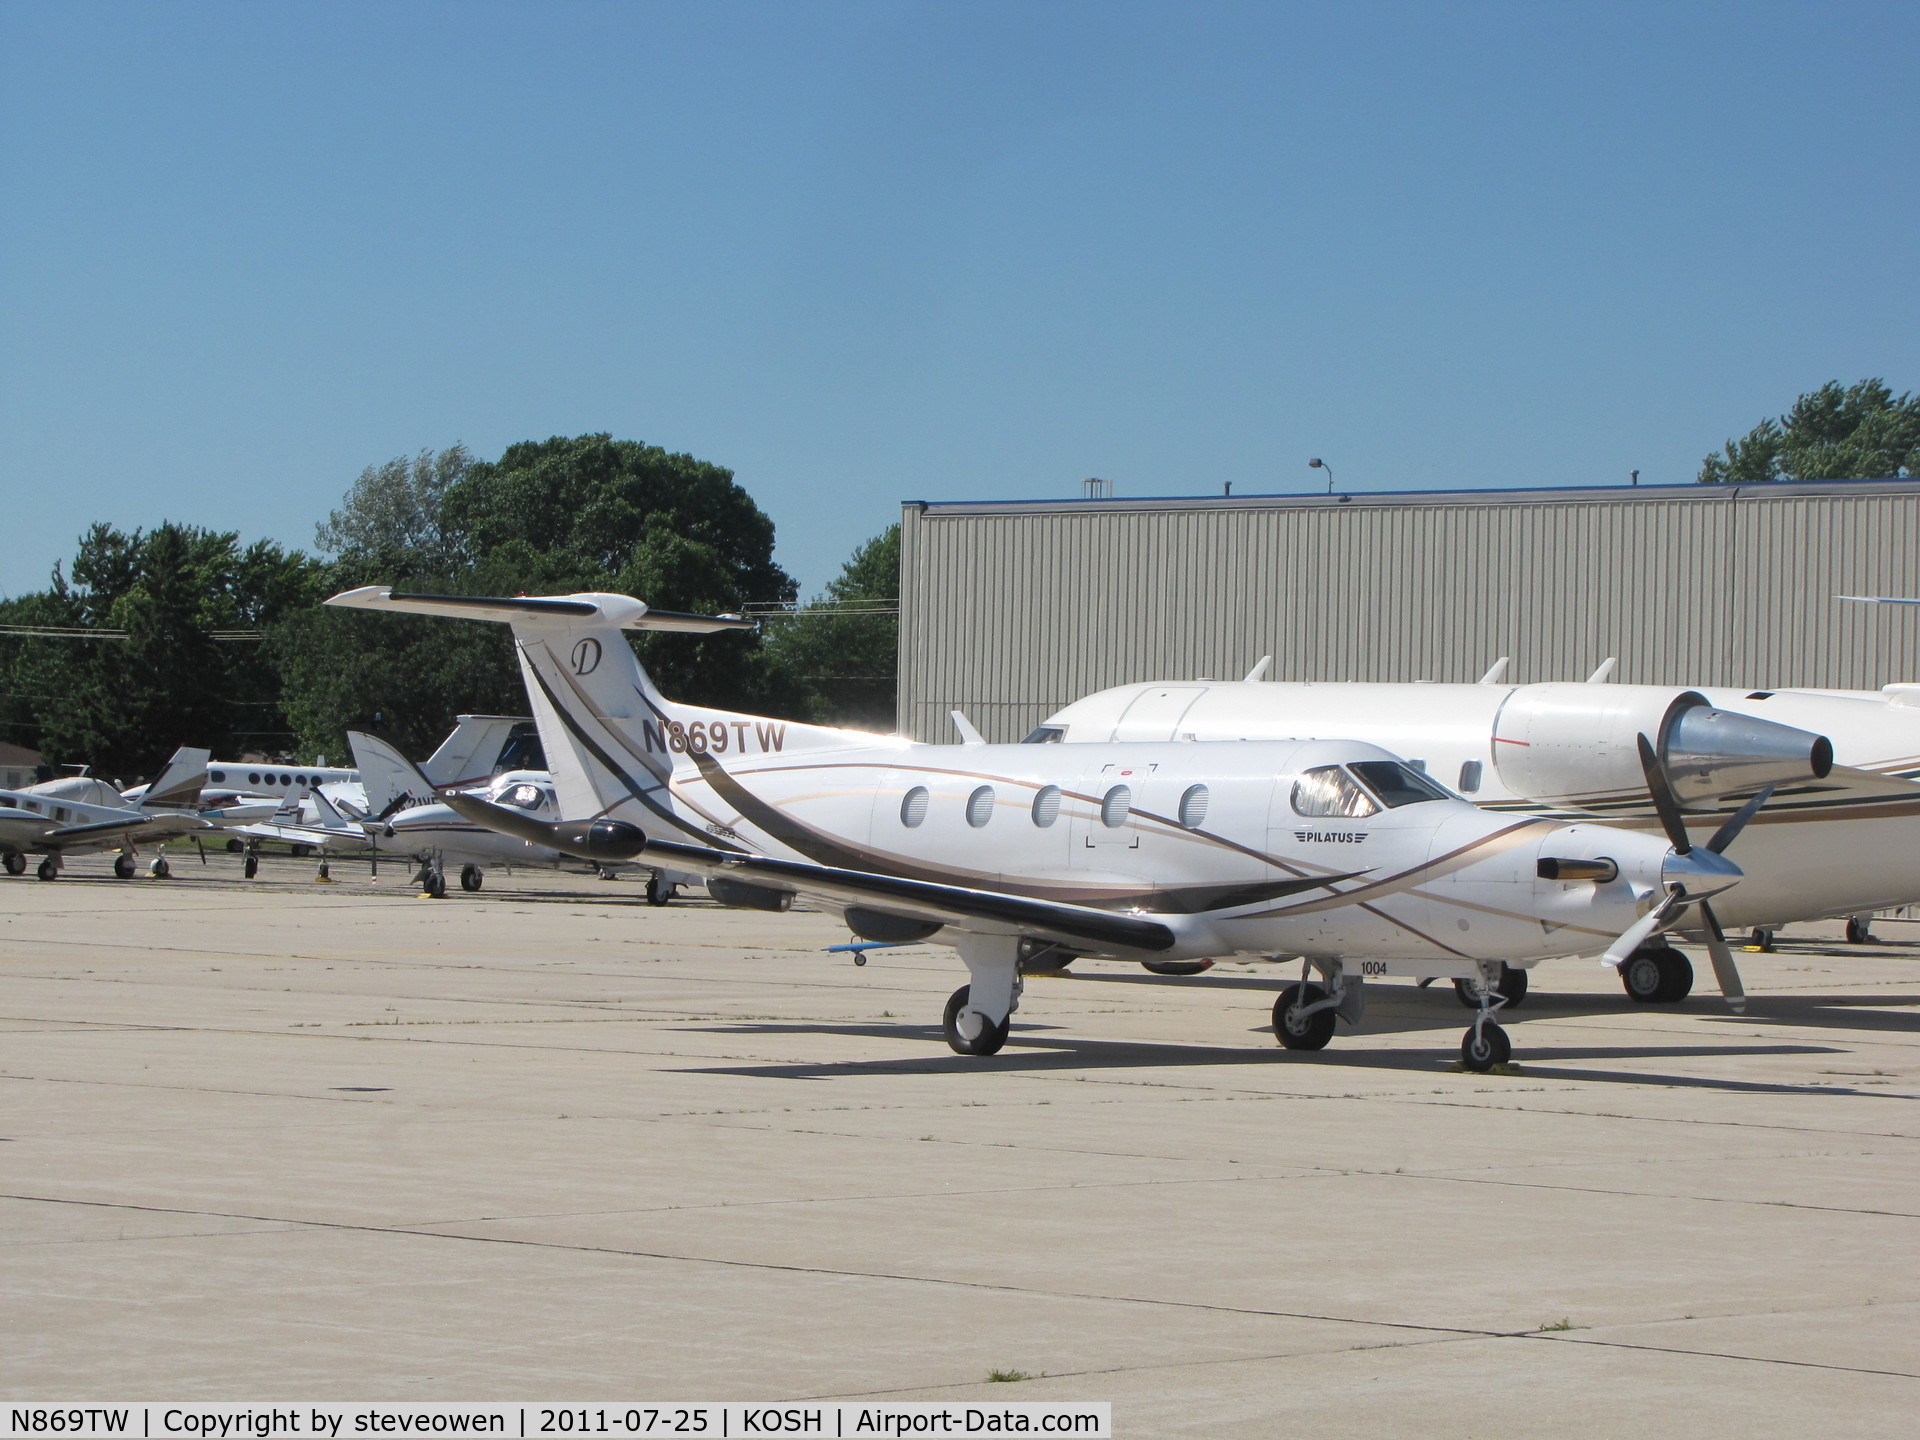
146 827
614 840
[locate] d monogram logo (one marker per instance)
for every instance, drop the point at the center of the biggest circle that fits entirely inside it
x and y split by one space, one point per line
586 656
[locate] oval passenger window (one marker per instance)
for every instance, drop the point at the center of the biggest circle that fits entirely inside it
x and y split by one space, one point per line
913 808
219 777
980 806
254 778
1046 806
1193 807
1113 809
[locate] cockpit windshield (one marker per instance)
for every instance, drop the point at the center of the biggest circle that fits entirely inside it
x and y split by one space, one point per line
524 796
1046 735
1397 784
1330 791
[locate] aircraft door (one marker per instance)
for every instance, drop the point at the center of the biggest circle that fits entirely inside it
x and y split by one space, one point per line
1103 824
1155 714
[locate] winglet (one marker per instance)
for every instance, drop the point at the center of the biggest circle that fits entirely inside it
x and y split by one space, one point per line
1259 672
968 735
1496 672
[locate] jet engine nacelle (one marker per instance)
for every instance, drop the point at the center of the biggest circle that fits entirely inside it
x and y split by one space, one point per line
1576 745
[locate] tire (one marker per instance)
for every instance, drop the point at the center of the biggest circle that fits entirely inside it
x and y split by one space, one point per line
437 885
122 867
987 1042
1484 1047
1762 940
1859 930
250 867
160 869
236 846
48 869
1659 975
1177 967
16 863
1513 985
659 892
1311 1033
471 878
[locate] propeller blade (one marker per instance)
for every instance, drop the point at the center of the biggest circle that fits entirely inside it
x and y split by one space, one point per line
1724 970
1665 803
1643 929
1726 834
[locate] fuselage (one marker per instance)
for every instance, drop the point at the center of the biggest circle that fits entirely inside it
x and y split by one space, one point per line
1815 851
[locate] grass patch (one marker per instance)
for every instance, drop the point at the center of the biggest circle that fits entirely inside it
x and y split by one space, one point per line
1563 1323
1006 1377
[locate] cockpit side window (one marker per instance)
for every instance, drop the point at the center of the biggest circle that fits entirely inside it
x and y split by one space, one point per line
523 796
1330 791
1046 735
1397 784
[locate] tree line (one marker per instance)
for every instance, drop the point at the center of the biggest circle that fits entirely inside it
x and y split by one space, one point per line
182 636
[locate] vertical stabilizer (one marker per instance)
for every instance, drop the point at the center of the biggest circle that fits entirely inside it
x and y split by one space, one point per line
470 755
391 781
178 786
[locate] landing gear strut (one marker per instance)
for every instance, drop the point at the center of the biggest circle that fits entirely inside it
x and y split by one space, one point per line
1513 988
979 1013
1485 1045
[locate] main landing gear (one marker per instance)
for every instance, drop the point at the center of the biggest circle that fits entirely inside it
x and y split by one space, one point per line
1859 930
1657 974
16 863
471 878
1306 1012
123 866
49 868
980 1013
660 890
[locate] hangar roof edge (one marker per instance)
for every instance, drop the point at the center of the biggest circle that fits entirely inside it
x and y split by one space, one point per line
1550 495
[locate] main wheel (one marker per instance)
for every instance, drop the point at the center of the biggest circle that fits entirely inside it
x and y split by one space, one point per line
250 867
1762 940
49 869
1484 1047
1859 930
235 845
659 890
1303 1032
1513 985
990 1038
1177 967
1659 975
471 879
16 863
123 867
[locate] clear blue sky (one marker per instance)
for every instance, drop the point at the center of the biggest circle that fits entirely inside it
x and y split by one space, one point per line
866 252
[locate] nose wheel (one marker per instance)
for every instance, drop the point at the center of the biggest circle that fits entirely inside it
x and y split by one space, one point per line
1302 1017
1485 1046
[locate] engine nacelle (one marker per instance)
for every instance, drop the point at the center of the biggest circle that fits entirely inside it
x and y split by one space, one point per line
1576 745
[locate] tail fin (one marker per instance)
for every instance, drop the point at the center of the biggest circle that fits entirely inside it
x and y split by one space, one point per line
178 786
390 779
471 754
613 741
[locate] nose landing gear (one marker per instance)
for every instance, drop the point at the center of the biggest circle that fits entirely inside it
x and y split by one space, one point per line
1485 1045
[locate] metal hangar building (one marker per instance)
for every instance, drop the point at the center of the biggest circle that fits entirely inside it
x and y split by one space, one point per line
1011 609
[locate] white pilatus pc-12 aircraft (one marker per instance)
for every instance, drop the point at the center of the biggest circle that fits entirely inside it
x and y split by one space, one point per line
1842 809
1020 857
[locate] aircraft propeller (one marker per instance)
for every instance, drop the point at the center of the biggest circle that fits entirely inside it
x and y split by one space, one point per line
1666 805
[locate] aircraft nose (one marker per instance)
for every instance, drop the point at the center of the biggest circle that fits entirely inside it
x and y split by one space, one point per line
1700 872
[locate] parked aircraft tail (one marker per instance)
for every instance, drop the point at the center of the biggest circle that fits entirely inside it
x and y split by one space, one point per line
178 786
613 741
471 755
391 781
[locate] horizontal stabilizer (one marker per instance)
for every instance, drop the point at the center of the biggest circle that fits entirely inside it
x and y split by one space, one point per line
610 840
619 610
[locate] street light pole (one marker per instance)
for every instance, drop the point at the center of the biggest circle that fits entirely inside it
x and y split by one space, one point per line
1318 464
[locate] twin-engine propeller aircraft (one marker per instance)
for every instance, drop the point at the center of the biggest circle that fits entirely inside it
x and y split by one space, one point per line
1021 857
79 815
1835 839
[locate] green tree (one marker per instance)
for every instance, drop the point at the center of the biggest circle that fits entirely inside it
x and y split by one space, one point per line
841 652
122 706
1857 432
392 513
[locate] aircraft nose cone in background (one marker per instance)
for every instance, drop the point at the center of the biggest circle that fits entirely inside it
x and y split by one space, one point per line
1700 872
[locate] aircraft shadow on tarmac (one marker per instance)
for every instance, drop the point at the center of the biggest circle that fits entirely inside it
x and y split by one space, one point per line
1031 1050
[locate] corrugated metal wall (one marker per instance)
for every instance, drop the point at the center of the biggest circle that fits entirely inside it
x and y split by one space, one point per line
1010 611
